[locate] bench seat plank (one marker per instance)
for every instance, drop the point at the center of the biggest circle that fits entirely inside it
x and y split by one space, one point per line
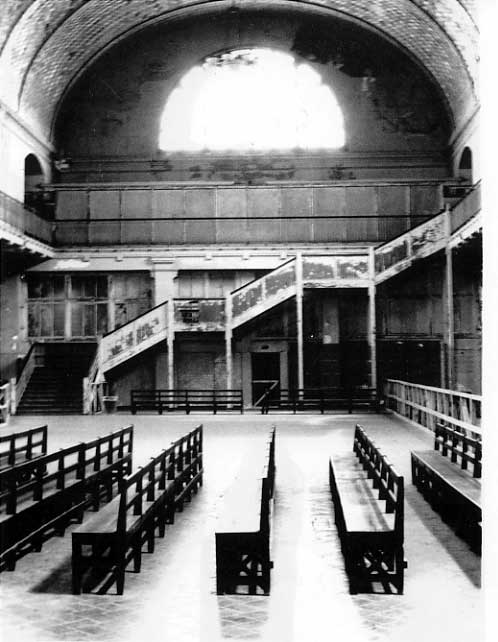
363 513
468 486
241 508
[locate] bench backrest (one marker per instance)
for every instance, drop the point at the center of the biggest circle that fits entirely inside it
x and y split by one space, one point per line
22 446
81 462
267 481
460 448
149 480
183 396
390 485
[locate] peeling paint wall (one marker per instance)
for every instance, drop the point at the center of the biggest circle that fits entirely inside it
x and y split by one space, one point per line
113 112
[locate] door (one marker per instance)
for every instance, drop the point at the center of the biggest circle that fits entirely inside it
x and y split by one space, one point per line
265 372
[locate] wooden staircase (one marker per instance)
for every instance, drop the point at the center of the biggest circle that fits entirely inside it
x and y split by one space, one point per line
55 387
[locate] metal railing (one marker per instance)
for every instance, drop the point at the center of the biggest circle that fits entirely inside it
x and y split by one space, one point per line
427 406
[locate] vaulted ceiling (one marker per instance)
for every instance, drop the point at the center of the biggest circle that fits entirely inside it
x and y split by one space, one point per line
46 44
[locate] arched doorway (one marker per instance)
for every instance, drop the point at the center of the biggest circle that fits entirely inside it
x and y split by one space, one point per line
465 166
34 179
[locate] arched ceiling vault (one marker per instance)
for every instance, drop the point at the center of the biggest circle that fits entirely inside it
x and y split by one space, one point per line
45 44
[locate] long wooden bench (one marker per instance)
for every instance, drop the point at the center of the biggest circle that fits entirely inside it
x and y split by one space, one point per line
368 498
321 399
22 446
39 498
186 400
449 478
147 500
243 527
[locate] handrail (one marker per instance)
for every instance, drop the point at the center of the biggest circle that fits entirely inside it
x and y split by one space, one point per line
427 406
142 314
246 285
18 387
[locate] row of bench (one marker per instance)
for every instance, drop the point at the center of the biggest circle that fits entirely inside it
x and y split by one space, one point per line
146 502
367 493
321 399
186 400
41 496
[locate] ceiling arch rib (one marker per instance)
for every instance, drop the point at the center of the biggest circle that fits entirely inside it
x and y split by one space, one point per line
40 62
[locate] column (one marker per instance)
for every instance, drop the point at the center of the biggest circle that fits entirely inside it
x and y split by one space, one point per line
372 323
299 319
449 324
165 290
228 341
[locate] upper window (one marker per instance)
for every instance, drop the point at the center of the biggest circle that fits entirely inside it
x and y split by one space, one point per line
251 100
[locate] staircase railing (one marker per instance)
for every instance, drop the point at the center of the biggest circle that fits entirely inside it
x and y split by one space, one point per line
18 386
134 337
264 293
427 405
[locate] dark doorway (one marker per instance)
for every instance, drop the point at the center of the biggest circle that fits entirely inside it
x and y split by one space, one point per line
265 372
412 361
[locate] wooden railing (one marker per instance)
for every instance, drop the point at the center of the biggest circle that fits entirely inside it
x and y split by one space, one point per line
429 406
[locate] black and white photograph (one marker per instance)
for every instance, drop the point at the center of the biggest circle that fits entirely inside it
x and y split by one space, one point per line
247 325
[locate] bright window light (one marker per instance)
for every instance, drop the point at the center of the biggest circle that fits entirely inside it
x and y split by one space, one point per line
251 99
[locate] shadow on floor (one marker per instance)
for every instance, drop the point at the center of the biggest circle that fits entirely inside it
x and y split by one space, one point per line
468 561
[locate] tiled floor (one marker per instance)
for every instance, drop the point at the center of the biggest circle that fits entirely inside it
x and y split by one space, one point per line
173 599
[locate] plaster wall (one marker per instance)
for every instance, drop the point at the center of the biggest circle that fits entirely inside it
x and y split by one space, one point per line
16 142
13 343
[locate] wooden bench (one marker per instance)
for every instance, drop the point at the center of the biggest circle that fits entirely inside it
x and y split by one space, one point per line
243 526
39 498
186 400
147 500
321 399
22 446
368 498
449 478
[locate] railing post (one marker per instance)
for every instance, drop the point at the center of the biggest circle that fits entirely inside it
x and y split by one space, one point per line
171 343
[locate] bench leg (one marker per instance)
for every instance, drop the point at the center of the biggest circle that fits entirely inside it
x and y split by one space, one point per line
76 567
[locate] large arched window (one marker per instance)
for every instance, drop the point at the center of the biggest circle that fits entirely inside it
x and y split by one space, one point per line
251 100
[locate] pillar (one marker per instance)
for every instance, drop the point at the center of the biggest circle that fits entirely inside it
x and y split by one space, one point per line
299 318
165 290
449 324
372 322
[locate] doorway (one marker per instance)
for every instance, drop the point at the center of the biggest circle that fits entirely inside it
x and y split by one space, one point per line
265 368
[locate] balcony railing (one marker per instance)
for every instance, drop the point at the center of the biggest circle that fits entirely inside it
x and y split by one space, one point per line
464 210
101 214
24 220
